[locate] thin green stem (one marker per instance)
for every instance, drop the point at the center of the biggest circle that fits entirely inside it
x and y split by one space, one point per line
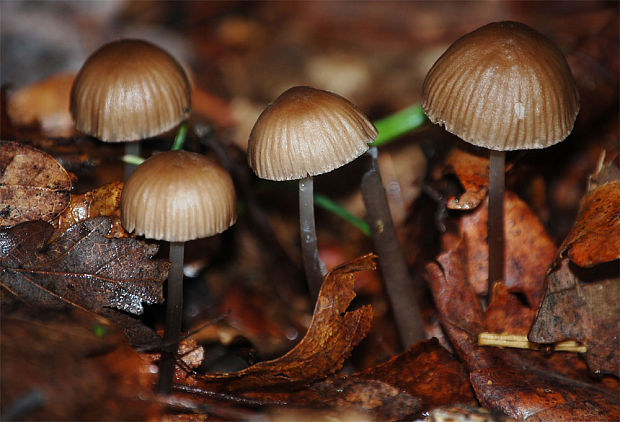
327 204
132 159
398 124
179 140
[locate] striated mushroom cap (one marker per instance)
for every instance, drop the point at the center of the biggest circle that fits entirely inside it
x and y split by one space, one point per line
178 196
129 90
503 86
307 131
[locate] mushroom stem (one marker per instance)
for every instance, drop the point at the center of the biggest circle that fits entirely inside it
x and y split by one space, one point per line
398 283
315 269
131 148
496 218
174 306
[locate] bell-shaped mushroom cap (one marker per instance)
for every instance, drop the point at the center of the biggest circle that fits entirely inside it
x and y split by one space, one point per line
306 132
503 87
178 196
129 90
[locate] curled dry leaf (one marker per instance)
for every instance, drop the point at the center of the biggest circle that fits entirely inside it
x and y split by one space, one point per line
82 267
333 333
70 366
473 173
45 103
103 201
33 185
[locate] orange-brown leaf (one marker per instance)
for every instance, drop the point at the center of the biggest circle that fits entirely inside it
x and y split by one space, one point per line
333 333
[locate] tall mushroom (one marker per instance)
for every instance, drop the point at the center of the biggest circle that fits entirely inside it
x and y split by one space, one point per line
129 90
177 196
303 133
503 87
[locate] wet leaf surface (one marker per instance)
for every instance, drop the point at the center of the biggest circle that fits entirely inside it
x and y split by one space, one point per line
59 365
333 333
33 185
82 266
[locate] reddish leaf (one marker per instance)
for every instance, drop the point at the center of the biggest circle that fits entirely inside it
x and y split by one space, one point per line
427 371
71 366
473 173
103 201
33 186
81 266
529 251
332 335
595 237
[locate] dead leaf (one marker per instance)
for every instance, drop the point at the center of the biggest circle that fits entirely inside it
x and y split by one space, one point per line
332 335
529 250
473 173
82 266
595 237
33 185
45 103
426 371
71 366
506 314
102 201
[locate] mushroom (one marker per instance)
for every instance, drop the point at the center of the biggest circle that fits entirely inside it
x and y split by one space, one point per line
303 133
129 90
177 196
503 87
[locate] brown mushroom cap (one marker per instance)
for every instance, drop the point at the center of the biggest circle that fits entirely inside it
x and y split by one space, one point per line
129 90
306 132
503 86
178 196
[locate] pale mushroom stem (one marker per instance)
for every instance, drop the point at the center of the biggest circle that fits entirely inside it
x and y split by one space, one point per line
315 269
131 148
398 284
496 218
174 307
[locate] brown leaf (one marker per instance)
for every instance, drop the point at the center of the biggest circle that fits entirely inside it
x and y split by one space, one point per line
473 173
506 314
332 335
595 237
82 266
529 250
103 201
33 185
71 366
427 371
526 385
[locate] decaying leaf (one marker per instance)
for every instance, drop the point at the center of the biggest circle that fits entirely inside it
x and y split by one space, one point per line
595 237
103 201
332 335
426 371
526 385
82 266
45 103
59 365
33 185
529 250
473 173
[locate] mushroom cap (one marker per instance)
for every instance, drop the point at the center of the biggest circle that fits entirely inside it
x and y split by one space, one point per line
306 132
503 86
129 90
178 196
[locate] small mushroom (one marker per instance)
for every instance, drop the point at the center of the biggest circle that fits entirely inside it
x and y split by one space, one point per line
129 90
503 87
177 196
303 133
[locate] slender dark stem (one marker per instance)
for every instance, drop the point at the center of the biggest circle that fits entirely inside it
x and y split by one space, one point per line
315 270
398 283
496 218
131 148
174 308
